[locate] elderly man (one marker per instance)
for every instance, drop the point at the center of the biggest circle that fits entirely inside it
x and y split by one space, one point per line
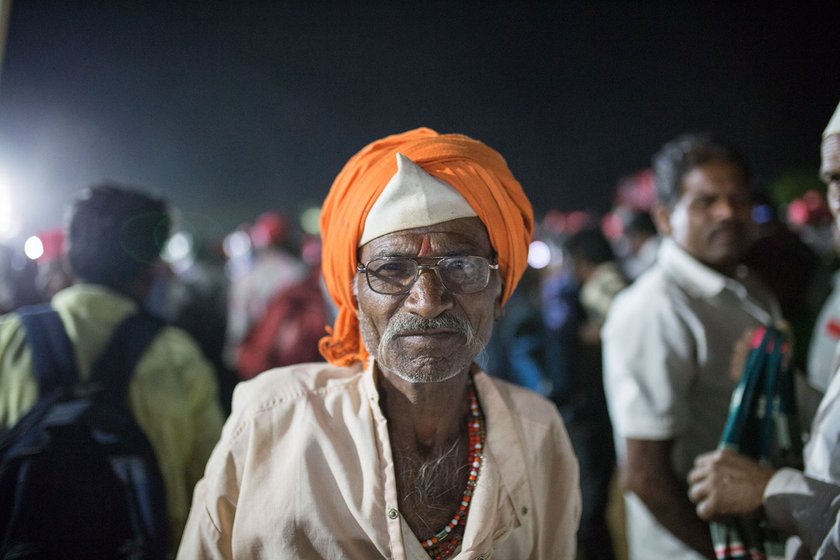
400 447
669 337
803 504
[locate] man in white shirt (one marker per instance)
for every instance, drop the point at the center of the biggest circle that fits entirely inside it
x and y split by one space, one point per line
805 504
400 447
668 340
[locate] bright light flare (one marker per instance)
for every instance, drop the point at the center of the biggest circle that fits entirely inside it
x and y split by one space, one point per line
179 247
237 245
539 254
9 223
178 251
33 247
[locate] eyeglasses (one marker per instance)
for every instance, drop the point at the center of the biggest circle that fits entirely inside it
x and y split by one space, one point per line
396 275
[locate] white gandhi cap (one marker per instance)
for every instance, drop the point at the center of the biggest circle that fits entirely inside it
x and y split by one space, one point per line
834 124
413 198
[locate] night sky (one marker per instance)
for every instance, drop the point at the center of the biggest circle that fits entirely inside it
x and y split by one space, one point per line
230 108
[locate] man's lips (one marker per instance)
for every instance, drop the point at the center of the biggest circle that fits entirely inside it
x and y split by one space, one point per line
729 232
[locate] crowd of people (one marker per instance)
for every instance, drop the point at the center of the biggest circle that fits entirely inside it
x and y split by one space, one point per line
409 384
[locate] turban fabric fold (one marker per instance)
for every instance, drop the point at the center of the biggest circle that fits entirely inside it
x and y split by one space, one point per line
474 169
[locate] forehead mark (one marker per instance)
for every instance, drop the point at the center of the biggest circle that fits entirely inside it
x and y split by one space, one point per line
425 246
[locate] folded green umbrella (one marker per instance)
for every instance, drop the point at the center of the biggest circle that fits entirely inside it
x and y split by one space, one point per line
762 424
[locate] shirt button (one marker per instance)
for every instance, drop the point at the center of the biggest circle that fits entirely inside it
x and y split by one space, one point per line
524 510
393 513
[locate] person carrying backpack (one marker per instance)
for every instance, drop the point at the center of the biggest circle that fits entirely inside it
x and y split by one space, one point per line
114 238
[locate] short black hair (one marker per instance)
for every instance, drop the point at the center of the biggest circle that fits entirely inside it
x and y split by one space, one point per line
590 245
641 223
115 233
679 156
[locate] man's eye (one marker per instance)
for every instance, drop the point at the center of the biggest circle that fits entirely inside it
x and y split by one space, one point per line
456 264
393 269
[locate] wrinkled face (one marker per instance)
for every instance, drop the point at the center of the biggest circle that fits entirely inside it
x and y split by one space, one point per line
830 173
712 220
429 334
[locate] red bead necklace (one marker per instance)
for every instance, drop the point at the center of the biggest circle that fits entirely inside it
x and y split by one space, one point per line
444 543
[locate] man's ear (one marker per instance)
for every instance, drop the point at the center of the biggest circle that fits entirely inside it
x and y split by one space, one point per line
662 218
498 309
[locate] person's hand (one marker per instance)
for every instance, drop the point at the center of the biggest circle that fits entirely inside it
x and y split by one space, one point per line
725 483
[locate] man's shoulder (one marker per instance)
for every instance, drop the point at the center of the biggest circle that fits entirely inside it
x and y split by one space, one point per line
290 384
654 288
10 326
654 307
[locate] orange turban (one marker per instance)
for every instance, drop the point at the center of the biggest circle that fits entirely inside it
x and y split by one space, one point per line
475 170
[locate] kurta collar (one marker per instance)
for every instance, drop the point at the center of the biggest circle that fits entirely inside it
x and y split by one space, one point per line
695 277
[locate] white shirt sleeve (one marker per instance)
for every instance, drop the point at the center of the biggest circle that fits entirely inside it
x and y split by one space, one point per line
807 508
649 367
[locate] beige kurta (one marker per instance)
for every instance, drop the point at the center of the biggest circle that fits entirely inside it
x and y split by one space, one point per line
304 469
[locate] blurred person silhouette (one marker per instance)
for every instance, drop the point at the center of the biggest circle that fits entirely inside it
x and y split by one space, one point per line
642 240
804 504
790 268
401 446
114 238
52 274
198 303
7 287
824 339
594 266
274 268
669 337
521 350
18 274
826 329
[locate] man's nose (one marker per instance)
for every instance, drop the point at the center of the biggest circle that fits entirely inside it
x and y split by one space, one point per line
428 297
725 209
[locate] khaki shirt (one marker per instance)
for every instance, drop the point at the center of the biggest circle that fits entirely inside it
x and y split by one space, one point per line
172 393
304 469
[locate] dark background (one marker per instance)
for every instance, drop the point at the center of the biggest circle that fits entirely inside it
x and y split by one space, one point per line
230 108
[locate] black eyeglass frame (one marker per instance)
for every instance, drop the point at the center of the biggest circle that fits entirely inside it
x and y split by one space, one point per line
421 267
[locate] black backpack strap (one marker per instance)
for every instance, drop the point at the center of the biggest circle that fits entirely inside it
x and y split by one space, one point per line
129 342
53 357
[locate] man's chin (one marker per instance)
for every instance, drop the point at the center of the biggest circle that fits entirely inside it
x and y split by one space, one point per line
725 252
422 369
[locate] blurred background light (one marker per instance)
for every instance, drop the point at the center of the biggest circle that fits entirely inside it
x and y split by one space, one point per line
178 251
33 247
539 254
237 244
310 220
178 247
9 223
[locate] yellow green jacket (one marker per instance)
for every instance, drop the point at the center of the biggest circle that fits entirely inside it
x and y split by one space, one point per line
173 392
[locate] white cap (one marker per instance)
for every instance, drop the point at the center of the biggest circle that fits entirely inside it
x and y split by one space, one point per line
413 198
834 124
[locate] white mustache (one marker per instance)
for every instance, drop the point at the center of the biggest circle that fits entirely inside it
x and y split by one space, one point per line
413 324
